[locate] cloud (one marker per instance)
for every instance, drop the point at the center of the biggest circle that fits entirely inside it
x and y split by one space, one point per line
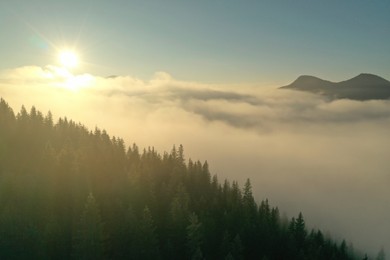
252 109
328 159
255 108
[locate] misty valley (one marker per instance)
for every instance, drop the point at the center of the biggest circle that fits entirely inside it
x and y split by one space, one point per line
67 192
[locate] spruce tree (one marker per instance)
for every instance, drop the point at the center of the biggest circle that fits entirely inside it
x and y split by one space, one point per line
88 242
194 238
148 246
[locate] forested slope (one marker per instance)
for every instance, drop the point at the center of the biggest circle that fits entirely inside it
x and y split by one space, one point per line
68 192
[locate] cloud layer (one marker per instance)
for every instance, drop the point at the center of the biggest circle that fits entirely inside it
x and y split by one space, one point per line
304 153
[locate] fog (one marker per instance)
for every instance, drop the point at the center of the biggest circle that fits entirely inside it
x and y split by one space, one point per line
328 159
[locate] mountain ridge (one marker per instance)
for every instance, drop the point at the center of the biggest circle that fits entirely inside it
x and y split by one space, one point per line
364 86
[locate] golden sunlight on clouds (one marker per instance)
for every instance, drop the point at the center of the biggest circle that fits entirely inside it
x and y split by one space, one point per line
47 78
298 149
63 78
79 81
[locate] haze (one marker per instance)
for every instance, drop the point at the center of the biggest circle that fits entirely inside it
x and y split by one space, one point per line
303 153
206 75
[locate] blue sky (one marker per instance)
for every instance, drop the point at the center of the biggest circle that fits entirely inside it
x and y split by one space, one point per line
208 41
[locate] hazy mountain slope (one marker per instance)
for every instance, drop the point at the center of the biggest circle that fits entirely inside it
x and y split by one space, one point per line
70 193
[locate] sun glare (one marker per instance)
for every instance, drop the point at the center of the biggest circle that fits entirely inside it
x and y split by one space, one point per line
68 59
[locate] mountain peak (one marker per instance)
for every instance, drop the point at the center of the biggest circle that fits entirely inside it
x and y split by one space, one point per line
368 79
307 83
306 79
365 86
367 75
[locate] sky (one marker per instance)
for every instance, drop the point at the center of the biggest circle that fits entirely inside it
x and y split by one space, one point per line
260 42
205 74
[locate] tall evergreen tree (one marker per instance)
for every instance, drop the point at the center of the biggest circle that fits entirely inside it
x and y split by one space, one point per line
88 243
148 245
381 255
194 238
300 231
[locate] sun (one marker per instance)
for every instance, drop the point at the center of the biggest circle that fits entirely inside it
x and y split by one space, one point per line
68 59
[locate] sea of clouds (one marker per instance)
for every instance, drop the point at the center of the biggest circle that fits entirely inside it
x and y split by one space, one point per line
328 159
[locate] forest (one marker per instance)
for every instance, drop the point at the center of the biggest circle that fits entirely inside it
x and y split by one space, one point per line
67 192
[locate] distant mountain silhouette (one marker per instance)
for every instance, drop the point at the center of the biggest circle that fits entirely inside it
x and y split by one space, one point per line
112 77
362 87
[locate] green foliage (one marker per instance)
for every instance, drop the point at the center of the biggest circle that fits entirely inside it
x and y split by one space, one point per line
194 238
381 255
88 242
148 246
67 192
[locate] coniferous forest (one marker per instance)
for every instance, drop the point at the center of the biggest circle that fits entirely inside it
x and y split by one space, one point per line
67 192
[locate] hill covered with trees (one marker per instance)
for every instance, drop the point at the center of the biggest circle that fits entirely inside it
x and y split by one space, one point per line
70 193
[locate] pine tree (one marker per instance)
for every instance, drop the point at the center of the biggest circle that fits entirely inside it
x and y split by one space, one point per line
300 231
381 255
237 248
248 201
89 237
148 246
124 244
194 238
178 218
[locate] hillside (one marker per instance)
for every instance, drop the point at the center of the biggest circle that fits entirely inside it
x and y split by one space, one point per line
361 87
67 192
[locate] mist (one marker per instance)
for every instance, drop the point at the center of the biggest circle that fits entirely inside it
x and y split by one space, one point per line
328 159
